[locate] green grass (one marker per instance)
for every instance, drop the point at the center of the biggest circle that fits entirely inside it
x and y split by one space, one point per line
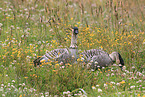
30 27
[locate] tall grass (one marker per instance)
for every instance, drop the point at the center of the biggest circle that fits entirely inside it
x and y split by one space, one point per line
30 27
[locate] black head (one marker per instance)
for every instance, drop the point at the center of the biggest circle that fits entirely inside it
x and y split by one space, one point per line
37 61
121 61
75 29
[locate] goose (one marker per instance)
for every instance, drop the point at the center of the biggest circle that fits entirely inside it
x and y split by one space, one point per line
62 55
99 58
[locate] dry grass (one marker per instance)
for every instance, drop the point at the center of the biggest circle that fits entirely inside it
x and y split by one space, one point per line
30 27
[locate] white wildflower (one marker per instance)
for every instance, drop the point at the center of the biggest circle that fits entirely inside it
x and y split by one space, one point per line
112 82
2 85
23 84
139 81
1 24
91 61
39 42
105 85
96 62
112 74
132 87
103 67
3 94
124 68
93 87
13 81
117 84
99 90
133 67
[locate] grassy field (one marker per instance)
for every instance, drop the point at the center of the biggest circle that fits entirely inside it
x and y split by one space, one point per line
28 28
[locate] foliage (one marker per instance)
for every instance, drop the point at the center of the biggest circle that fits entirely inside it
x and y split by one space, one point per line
30 27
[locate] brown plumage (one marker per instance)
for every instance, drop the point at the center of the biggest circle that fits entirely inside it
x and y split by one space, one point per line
99 58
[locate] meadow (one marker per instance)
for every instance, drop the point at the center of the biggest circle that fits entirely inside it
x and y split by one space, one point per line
28 28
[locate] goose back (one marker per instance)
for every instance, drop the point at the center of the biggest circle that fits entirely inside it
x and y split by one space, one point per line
97 57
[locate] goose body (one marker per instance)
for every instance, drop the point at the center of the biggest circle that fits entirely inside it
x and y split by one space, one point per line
63 54
99 58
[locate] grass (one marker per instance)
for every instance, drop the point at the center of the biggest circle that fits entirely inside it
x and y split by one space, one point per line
30 27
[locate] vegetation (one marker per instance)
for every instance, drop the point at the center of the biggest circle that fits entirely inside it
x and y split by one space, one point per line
30 27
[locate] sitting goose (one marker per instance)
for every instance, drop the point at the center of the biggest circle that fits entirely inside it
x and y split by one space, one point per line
100 58
61 55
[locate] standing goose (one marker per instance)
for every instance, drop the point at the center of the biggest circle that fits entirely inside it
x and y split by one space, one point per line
100 58
61 55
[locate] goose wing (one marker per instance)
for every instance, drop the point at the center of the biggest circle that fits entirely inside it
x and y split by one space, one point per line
98 57
54 55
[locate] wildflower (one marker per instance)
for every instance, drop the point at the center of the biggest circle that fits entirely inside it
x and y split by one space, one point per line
103 67
82 59
1 24
139 81
133 67
23 84
138 94
112 82
20 96
97 85
57 64
1 89
99 90
39 42
98 67
122 82
123 74
63 67
64 93
105 85
96 62
118 84
112 74
2 85
124 68
13 81
119 92
132 87
91 61
93 87
42 61
108 74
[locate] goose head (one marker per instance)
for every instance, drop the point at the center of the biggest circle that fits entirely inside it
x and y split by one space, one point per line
116 57
75 30
74 38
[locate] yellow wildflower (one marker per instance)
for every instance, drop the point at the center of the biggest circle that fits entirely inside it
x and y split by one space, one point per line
20 96
42 61
25 77
122 82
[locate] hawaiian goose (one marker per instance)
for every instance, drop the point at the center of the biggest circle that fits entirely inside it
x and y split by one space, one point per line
99 58
62 55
